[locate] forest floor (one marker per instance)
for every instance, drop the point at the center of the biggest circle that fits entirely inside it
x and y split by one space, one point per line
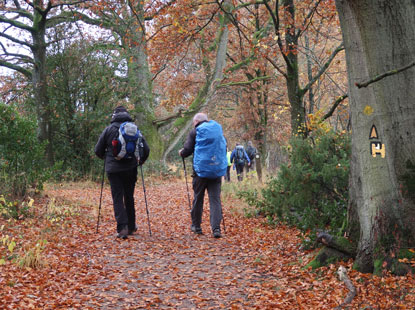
254 266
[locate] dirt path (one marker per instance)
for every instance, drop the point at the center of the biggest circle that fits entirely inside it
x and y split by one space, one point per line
254 266
174 268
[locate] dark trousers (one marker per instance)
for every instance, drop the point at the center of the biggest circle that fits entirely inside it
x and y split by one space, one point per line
251 167
213 187
240 171
228 174
122 190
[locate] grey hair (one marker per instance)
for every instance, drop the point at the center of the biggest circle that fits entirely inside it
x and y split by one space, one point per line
200 117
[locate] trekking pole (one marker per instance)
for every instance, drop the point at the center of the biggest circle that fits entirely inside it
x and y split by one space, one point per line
187 186
145 199
223 219
100 198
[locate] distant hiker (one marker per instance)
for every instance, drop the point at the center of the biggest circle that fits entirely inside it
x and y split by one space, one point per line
239 157
228 169
123 148
251 151
208 146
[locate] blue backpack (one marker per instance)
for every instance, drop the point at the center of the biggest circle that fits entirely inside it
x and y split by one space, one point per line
209 159
129 142
240 155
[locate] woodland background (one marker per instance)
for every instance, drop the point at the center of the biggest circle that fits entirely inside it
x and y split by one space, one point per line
271 72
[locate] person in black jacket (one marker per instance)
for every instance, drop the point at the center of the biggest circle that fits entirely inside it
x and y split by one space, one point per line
122 174
213 186
252 152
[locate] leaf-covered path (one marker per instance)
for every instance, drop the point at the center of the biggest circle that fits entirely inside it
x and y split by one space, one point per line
252 267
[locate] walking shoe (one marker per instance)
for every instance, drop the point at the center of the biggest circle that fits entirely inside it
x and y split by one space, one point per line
132 231
217 234
123 233
196 230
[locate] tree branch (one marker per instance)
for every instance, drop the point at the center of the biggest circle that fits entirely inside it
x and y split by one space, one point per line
382 76
246 4
162 120
276 21
259 78
334 106
17 68
91 21
273 63
168 4
13 39
307 19
62 18
15 23
323 68
21 12
241 64
158 72
67 4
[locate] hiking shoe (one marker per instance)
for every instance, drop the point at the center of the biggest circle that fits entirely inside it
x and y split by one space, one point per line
132 231
217 234
123 233
196 230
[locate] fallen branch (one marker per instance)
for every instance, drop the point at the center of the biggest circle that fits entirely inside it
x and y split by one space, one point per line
379 77
342 273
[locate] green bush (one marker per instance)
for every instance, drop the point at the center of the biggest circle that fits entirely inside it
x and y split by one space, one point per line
21 154
311 192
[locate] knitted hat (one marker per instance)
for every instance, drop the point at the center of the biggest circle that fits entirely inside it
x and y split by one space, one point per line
120 109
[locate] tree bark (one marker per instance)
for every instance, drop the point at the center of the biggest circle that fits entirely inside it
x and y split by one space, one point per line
140 90
39 80
294 91
379 37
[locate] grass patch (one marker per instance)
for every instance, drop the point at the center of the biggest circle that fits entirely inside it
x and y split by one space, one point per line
232 192
33 256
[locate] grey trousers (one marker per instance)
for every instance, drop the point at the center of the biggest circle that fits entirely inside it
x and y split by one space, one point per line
213 187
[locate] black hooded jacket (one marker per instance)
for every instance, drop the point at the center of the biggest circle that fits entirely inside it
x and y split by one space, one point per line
103 148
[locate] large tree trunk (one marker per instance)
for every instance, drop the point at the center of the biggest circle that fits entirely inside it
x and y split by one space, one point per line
379 37
139 78
39 82
294 91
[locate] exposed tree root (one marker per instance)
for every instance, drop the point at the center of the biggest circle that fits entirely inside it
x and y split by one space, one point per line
342 273
338 243
335 249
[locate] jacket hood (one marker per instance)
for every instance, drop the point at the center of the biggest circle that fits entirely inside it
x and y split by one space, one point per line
121 117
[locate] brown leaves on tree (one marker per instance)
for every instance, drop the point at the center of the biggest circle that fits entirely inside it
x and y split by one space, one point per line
254 266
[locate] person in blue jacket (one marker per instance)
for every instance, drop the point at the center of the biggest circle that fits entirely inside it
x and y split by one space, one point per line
238 158
206 176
